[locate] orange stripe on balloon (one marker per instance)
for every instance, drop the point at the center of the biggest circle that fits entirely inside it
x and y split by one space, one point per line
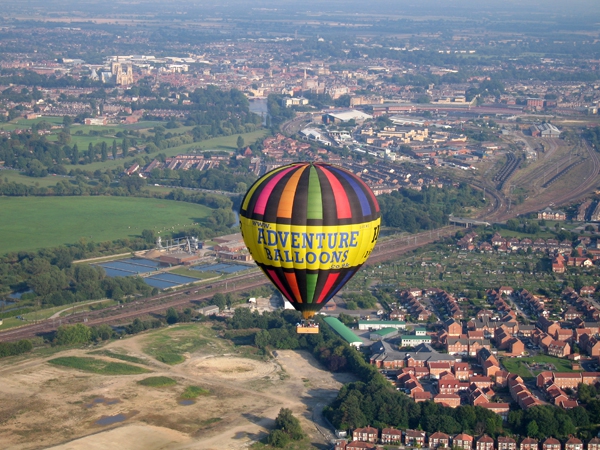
341 198
291 279
331 278
286 202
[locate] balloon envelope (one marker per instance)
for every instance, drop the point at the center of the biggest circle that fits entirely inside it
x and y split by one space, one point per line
309 227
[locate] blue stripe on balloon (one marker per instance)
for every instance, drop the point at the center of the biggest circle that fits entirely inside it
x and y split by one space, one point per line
364 201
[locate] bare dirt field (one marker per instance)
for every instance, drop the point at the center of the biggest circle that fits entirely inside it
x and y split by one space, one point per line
47 406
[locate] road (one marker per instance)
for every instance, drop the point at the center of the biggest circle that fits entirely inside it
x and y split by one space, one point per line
296 124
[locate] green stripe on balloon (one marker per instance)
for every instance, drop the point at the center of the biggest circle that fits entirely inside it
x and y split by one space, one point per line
311 285
315 202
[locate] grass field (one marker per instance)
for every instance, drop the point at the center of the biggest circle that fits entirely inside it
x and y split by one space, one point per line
192 392
168 346
531 367
158 382
29 223
12 176
97 366
121 356
227 143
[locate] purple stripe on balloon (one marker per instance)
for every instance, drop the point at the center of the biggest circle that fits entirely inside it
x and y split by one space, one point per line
364 201
261 203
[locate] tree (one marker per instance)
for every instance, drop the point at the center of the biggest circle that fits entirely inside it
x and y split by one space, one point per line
104 151
148 236
172 316
219 300
278 438
73 334
286 422
240 142
75 155
114 149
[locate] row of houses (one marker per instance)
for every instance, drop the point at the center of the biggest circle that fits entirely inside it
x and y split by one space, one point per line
449 304
369 437
581 304
498 243
414 307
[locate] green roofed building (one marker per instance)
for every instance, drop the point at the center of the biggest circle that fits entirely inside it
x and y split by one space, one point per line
343 331
410 340
380 324
384 333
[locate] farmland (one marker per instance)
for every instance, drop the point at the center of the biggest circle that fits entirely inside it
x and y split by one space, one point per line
29 223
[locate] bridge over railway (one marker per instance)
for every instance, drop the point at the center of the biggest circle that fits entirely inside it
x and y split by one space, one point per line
467 222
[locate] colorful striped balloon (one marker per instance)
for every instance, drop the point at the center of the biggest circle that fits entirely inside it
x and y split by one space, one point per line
309 227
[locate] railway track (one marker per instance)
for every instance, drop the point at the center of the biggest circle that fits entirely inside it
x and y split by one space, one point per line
388 249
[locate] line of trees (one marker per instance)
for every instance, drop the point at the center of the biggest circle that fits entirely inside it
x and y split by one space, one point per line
412 211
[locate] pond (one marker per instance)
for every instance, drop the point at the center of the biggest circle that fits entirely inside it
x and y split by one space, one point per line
109 420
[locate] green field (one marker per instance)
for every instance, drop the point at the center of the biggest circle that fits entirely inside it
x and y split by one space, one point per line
526 367
121 356
97 366
29 223
12 176
168 346
192 392
224 143
158 382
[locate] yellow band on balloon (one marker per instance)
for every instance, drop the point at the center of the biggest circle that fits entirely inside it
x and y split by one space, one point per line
309 247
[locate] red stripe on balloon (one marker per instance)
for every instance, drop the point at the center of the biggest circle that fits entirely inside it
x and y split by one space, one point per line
341 198
331 278
261 203
283 290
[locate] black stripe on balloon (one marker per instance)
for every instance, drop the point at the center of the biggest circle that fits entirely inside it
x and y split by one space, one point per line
252 203
275 197
329 206
300 205
321 281
279 273
301 280
341 281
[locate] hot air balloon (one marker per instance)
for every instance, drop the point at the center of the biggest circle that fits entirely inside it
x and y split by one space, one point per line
309 227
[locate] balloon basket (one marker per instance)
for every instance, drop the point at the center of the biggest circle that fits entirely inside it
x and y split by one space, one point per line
307 328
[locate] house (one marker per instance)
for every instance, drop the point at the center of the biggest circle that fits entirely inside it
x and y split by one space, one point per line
367 434
442 440
506 443
359 445
551 444
461 371
462 441
449 400
559 349
502 409
484 443
594 444
391 436
587 290
452 327
436 368
528 444
414 438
